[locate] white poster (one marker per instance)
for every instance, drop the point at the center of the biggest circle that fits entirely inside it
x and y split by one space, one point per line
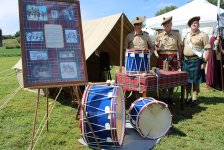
54 36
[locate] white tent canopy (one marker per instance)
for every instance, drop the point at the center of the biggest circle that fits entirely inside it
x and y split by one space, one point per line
181 15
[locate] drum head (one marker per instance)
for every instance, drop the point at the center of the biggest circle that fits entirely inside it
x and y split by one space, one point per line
120 116
155 120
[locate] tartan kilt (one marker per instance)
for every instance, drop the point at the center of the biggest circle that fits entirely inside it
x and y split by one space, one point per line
195 73
173 63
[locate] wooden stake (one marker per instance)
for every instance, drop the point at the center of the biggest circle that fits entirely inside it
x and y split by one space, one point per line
35 119
121 41
47 106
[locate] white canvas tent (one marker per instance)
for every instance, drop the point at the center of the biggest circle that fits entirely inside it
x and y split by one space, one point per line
181 15
100 35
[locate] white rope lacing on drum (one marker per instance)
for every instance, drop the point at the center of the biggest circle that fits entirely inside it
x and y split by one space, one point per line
50 111
100 115
100 130
96 93
99 108
10 96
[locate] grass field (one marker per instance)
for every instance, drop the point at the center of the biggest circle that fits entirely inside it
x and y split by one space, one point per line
200 127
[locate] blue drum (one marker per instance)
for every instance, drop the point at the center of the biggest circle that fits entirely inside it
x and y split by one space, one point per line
137 62
151 118
105 109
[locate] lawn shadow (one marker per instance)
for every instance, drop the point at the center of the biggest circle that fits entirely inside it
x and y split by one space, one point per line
176 131
211 100
65 97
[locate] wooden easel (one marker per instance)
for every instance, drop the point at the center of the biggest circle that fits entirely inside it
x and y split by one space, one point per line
76 92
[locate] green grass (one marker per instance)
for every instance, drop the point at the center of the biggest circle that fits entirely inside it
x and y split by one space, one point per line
10 48
10 52
200 127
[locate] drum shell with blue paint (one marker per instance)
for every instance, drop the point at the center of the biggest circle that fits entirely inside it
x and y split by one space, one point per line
105 109
137 62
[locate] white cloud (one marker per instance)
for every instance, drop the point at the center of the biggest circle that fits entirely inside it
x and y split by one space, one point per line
9 16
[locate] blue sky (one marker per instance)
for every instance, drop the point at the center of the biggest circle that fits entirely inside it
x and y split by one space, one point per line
90 9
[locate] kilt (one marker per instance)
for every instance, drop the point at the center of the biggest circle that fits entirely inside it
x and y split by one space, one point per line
195 73
173 61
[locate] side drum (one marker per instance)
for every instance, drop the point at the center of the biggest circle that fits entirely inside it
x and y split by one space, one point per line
151 118
137 62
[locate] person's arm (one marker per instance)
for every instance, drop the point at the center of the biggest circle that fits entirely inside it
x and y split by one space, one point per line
207 47
180 52
150 46
126 42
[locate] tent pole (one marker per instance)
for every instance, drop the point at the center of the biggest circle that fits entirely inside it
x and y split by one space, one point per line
121 41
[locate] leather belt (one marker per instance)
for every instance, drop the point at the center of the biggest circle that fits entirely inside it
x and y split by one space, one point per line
168 52
191 57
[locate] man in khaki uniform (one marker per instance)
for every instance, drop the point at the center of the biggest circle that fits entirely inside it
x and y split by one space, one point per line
168 46
196 53
137 39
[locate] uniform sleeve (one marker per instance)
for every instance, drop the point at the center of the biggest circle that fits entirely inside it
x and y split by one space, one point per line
206 42
149 41
126 42
157 40
179 43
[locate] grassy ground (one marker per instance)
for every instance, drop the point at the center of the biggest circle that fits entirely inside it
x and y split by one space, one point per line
9 52
200 127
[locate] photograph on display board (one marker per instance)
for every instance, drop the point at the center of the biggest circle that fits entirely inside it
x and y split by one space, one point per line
68 70
36 36
71 36
36 13
38 55
52 43
66 54
68 14
54 14
42 72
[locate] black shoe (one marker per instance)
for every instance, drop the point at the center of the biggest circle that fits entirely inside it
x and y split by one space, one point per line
170 101
194 103
188 101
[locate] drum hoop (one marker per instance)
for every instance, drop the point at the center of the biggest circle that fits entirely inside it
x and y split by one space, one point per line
138 117
84 99
137 52
114 135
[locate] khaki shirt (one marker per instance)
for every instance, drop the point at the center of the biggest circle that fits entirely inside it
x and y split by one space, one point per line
199 41
139 41
168 41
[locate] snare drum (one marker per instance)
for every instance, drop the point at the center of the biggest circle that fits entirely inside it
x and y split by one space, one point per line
151 118
105 109
137 62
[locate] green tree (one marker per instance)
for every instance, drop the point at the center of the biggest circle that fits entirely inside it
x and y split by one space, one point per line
165 10
214 2
17 34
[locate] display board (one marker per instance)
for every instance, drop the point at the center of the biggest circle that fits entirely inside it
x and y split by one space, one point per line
52 43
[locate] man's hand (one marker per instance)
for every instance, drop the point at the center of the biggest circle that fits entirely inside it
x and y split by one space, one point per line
203 66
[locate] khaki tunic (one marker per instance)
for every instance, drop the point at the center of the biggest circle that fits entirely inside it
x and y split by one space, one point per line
199 40
139 41
168 41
